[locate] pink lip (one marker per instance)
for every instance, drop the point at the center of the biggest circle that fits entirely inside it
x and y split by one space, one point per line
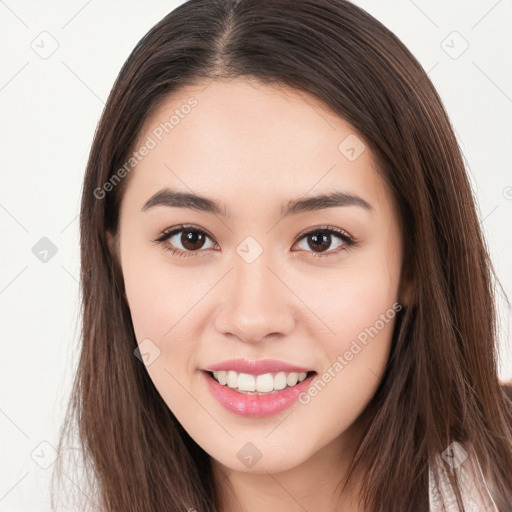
256 406
256 367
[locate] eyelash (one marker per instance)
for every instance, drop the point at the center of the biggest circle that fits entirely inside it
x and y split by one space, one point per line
168 233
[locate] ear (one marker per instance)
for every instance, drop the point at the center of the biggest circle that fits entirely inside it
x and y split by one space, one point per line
406 295
111 240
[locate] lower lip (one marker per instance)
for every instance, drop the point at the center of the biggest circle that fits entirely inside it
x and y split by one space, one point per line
256 406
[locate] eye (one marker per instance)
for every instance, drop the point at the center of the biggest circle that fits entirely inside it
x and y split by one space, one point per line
190 238
321 238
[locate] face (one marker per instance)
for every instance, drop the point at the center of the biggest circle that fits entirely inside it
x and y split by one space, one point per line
261 270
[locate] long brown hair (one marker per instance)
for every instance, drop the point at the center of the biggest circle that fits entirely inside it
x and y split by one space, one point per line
441 382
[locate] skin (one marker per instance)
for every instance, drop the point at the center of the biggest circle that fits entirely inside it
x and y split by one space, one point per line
255 147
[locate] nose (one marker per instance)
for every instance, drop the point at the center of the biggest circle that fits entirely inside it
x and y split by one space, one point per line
257 302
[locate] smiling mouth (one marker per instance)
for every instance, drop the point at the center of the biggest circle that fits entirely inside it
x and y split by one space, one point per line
263 384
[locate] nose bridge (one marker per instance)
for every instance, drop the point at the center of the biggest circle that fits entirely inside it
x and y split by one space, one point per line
256 302
253 284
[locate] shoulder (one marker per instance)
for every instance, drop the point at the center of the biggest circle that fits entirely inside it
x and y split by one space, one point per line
507 388
460 459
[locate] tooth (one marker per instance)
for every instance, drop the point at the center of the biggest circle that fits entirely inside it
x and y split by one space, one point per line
280 380
232 379
221 376
291 380
246 382
264 383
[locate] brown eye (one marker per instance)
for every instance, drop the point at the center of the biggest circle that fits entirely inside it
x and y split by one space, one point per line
192 240
188 241
320 240
184 241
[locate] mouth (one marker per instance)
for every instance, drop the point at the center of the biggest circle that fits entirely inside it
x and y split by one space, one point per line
262 384
257 396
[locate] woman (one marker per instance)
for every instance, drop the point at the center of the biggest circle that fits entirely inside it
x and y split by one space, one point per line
287 299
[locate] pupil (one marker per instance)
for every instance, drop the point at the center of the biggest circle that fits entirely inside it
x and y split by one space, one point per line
319 240
191 240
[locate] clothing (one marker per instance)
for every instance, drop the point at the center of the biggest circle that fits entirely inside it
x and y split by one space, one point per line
463 461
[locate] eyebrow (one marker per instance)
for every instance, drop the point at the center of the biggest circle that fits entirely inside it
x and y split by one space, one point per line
172 198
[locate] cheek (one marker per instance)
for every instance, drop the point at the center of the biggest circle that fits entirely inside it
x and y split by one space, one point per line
350 301
161 302
167 307
359 307
365 306
160 295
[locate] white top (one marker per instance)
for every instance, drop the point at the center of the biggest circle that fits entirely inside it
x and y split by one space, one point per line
475 492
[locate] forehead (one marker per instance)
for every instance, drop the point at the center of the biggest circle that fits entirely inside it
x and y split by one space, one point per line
240 141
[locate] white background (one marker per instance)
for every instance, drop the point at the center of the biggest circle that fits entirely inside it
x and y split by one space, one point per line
49 111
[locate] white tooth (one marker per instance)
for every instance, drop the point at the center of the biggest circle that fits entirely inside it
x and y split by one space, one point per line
292 378
246 382
280 380
264 383
232 379
222 377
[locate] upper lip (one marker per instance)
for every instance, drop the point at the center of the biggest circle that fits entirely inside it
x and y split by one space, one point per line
256 366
